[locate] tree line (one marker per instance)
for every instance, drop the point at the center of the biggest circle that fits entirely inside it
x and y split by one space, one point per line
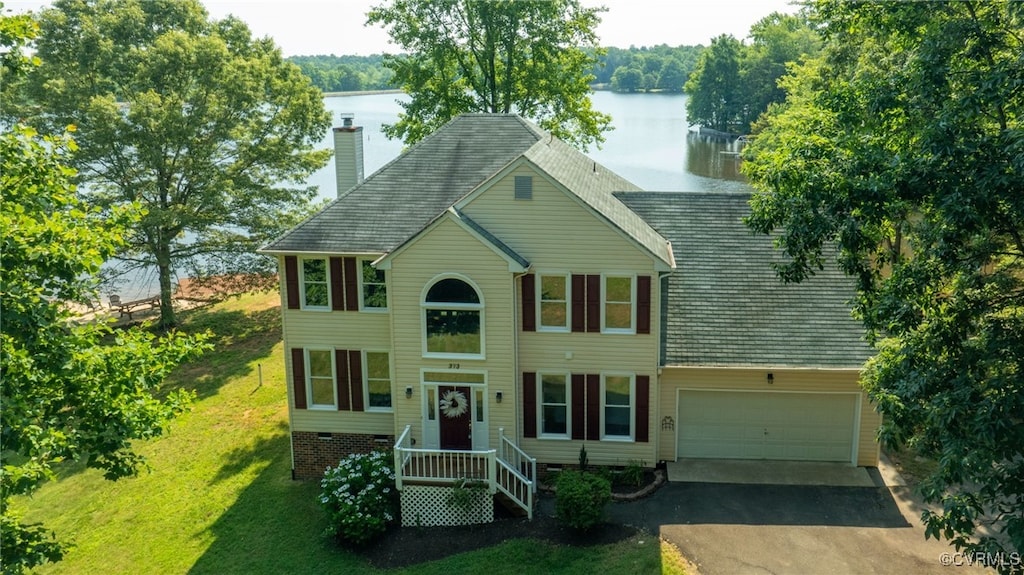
662 68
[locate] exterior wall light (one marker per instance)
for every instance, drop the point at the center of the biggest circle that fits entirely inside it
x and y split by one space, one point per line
771 378
497 397
408 392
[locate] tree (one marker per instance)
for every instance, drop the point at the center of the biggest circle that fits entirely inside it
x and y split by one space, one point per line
530 57
672 76
714 86
206 127
904 146
627 79
69 390
776 41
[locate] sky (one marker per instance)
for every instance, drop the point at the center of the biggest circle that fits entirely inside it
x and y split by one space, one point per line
310 27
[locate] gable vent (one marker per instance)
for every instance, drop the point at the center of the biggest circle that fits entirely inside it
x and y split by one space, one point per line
524 187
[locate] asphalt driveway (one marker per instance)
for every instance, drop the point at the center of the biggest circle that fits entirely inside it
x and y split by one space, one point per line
734 528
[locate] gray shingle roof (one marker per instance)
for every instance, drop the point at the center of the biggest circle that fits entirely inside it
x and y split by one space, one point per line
407 194
726 306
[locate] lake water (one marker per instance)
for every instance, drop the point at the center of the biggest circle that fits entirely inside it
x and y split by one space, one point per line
652 145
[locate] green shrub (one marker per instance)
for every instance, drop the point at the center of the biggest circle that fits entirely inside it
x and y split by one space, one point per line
633 473
580 499
359 496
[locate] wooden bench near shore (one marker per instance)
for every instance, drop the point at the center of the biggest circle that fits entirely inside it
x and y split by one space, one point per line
125 308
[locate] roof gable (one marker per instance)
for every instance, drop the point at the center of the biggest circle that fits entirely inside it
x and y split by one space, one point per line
516 262
591 186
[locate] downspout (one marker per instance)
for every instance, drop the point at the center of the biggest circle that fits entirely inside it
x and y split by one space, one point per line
515 358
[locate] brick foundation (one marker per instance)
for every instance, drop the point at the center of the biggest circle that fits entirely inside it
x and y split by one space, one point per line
315 452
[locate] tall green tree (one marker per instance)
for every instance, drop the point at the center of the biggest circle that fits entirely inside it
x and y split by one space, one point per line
776 41
530 57
68 390
714 86
904 145
208 128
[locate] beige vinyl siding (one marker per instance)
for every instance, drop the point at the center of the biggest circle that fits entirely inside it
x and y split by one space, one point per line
554 230
346 330
610 452
448 249
559 235
748 379
375 423
338 329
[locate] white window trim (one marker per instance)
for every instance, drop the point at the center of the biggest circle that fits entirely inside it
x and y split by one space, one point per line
424 306
309 380
362 292
632 407
540 406
366 381
302 285
539 302
632 304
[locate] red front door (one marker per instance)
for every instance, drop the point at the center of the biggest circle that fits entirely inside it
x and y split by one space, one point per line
455 417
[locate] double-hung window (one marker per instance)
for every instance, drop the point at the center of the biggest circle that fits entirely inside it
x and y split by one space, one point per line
553 312
374 289
320 378
315 289
618 312
554 404
617 404
453 320
378 380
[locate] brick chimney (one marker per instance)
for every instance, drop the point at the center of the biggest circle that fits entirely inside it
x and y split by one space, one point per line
348 153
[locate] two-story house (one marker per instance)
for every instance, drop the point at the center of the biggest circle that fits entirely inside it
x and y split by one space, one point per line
493 298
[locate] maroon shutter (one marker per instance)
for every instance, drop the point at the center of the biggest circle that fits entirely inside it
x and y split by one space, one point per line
579 303
351 285
529 303
643 407
299 377
291 281
593 406
593 303
578 405
337 278
643 304
344 385
355 365
529 404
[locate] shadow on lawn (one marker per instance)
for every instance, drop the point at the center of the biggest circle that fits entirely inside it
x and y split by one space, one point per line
275 525
239 338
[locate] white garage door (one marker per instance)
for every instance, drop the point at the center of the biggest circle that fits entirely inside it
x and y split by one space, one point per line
766 425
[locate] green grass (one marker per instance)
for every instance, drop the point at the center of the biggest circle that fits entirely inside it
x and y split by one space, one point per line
220 499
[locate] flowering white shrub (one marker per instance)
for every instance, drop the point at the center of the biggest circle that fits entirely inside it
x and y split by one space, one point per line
360 496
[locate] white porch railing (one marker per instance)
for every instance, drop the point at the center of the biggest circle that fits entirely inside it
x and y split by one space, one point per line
517 473
507 468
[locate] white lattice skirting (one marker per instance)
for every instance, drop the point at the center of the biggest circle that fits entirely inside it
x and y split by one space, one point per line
430 505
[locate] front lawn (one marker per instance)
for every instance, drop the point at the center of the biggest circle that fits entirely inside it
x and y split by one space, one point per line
220 498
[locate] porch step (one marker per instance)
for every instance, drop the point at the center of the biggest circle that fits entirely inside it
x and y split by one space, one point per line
507 506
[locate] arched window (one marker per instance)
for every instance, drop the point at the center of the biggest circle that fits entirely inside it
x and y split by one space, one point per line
452 314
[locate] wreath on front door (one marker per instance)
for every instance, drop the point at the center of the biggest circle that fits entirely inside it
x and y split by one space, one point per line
453 403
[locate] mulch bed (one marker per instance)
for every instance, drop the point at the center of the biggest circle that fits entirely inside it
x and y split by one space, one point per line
404 546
